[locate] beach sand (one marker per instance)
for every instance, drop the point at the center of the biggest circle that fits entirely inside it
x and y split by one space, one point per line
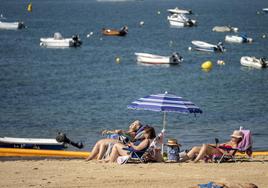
78 173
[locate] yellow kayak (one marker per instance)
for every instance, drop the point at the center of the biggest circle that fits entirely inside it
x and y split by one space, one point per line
17 152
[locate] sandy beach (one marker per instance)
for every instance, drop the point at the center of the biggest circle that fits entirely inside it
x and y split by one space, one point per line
78 173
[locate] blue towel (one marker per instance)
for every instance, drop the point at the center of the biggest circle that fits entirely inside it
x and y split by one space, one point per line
209 185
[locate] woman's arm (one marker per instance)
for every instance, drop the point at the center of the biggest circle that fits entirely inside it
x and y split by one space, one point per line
141 146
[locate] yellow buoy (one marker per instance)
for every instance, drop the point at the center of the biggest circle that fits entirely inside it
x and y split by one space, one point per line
30 7
118 60
207 65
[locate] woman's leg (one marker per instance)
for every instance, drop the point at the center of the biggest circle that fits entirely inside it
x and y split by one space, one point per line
96 149
206 150
102 150
192 153
117 151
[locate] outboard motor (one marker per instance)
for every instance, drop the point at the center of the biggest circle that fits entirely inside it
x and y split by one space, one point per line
220 47
21 25
123 31
263 62
61 137
77 41
175 58
190 23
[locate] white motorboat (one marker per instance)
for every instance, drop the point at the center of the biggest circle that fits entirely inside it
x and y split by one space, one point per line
60 142
11 25
254 62
207 47
179 11
224 29
180 20
265 10
59 41
238 39
146 58
31 143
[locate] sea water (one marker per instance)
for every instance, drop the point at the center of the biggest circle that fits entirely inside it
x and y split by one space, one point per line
81 91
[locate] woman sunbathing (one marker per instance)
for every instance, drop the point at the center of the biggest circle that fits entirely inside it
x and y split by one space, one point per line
100 147
198 153
118 148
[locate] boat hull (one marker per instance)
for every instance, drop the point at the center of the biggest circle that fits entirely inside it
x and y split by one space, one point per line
179 11
51 42
207 47
11 25
178 21
224 29
237 39
265 10
114 32
31 143
253 62
155 59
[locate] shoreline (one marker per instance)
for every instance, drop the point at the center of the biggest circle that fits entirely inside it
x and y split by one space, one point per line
78 173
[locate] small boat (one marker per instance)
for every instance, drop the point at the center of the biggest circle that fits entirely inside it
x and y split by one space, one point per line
113 32
224 29
207 47
180 20
152 59
31 143
59 41
179 11
265 10
238 39
59 143
11 25
254 62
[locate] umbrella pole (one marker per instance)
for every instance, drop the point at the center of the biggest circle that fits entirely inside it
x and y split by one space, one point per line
164 128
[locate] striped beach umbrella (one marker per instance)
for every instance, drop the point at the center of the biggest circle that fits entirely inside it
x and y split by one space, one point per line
165 103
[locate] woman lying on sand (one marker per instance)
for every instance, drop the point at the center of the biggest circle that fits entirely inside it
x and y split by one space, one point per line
118 148
199 152
101 146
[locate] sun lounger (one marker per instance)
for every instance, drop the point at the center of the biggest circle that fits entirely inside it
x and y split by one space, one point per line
245 146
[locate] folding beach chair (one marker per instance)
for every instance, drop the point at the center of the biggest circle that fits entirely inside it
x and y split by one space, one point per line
245 146
148 155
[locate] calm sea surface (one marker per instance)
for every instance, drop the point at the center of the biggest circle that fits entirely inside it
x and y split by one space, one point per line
82 91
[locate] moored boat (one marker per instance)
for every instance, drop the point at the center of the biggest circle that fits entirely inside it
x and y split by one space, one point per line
59 143
224 29
11 25
147 58
265 10
177 10
207 47
180 20
113 32
238 39
254 62
59 41
31 143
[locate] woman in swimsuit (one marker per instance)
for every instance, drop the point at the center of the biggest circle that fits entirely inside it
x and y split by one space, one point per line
198 153
118 148
100 147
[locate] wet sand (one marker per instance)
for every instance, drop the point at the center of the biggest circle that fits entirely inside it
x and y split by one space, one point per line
78 173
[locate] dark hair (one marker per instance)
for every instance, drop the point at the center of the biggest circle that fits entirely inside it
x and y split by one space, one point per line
151 132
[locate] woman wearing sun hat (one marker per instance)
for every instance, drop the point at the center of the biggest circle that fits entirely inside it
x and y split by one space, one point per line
198 153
